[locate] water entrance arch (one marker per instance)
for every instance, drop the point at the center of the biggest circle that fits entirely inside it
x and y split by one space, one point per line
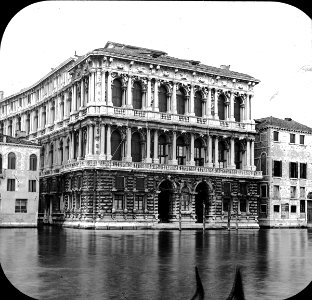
201 197
164 200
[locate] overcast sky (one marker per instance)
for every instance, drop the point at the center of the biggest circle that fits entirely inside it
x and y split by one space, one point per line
270 41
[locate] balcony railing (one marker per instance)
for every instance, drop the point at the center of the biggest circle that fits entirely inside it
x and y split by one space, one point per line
121 165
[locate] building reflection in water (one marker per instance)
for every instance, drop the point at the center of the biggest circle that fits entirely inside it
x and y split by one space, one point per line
54 263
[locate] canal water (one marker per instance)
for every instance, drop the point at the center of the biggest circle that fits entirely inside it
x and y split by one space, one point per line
64 263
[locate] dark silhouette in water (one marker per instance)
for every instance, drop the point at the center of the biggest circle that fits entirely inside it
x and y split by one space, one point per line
237 292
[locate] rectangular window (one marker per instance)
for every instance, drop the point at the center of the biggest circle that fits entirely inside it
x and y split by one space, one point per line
293 192
301 139
302 192
242 205
227 188
275 136
120 182
11 185
140 183
293 170
21 205
139 202
303 170
263 208
32 185
277 168
302 206
226 204
276 208
276 192
243 188
263 190
119 202
293 208
292 138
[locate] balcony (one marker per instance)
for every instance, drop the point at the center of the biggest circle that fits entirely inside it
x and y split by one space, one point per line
151 167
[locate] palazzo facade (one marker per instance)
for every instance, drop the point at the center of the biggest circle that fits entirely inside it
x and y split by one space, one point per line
130 135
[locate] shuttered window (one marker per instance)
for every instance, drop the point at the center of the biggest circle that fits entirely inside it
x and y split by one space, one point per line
198 105
162 99
137 96
117 93
293 170
277 168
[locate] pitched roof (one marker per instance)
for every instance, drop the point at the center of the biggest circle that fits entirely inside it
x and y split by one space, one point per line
160 57
13 140
286 123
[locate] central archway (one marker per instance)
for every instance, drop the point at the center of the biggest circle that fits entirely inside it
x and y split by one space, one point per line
202 195
164 200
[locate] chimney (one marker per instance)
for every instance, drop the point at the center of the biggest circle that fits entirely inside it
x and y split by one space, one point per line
288 119
225 67
1 95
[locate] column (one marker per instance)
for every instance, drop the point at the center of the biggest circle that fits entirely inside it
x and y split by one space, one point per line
148 146
73 100
102 141
82 93
252 156
232 107
92 86
216 156
92 150
97 85
156 159
210 162
192 162
149 94
191 103
108 142
71 157
103 87
40 118
247 166
247 119
174 98
65 104
124 90
232 155
109 89
208 104
79 144
216 113
174 148
128 152
129 93
64 152
156 107
250 111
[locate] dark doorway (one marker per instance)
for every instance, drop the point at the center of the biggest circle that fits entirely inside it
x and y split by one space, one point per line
201 196
309 212
164 199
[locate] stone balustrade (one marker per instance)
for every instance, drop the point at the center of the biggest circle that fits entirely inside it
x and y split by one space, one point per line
142 166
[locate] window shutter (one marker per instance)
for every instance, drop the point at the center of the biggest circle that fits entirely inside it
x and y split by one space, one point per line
290 170
281 166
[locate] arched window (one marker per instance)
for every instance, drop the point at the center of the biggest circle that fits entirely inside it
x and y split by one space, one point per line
10 128
36 121
198 153
76 144
198 107
67 150
11 161
163 149
264 164
181 151
136 148
162 99
116 93
237 155
222 156
181 102
28 124
221 107
42 155
0 163
237 102
116 145
137 96
53 112
51 155
84 143
18 124
33 162
61 152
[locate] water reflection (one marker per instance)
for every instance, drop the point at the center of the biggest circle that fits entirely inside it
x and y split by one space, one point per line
53 263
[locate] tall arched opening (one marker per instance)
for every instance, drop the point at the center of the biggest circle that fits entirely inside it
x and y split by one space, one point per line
201 197
164 200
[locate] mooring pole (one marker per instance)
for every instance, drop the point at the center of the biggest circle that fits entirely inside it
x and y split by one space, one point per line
204 215
180 227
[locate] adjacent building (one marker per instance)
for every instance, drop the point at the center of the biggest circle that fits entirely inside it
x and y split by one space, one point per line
283 152
130 135
19 182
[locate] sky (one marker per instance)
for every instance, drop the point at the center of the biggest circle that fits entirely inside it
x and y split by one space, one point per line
270 41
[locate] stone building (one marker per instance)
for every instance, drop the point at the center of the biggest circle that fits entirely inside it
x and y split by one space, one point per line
131 135
283 152
19 182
